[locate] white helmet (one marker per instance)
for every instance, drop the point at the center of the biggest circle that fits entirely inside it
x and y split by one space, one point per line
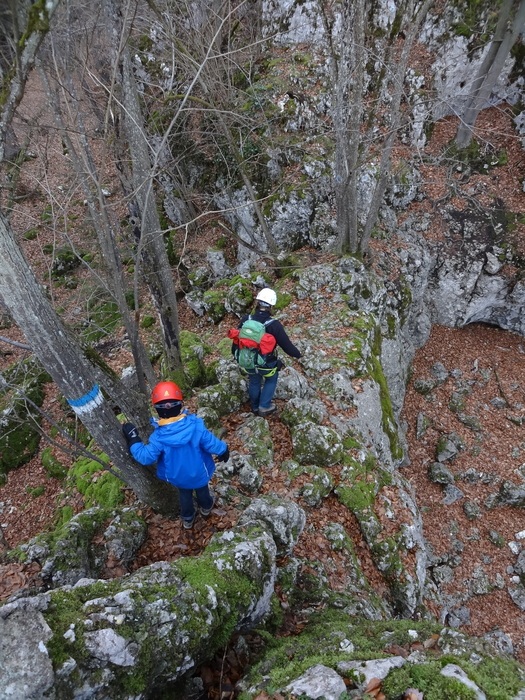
268 296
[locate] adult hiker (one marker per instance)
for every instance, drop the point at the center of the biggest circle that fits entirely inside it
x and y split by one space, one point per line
182 447
262 381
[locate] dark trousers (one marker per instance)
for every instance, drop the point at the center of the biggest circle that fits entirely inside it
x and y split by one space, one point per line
204 500
261 390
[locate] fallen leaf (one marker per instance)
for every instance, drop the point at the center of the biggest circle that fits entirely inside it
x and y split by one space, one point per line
431 642
373 684
396 650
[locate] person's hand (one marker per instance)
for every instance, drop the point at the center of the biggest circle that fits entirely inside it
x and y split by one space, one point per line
280 365
131 433
225 455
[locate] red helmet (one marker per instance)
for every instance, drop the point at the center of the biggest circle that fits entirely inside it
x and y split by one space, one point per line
166 391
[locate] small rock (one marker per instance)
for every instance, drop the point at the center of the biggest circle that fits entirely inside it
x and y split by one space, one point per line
452 494
453 671
438 473
318 682
498 402
471 510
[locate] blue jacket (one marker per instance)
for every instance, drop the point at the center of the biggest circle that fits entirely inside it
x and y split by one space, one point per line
183 451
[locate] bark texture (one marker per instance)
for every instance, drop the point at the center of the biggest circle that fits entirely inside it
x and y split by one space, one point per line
76 378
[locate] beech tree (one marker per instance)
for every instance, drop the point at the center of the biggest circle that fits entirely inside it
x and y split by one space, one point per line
368 67
209 48
98 63
84 385
510 24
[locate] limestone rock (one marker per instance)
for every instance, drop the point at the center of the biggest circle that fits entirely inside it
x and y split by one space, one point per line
318 682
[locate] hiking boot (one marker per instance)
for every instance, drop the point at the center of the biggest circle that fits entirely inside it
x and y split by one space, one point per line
206 511
188 524
266 411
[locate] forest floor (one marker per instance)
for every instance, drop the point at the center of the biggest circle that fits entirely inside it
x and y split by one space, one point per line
491 359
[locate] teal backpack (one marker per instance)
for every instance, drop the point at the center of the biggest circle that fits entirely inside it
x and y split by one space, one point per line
253 347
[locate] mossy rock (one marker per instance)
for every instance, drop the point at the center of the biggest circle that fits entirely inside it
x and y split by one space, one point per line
65 260
297 410
472 422
349 640
211 373
193 351
224 347
316 444
425 386
52 466
457 402
19 419
213 302
227 395
282 661
239 297
79 545
98 486
292 469
319 486
256 438
68 551
219 399
359 483
211 419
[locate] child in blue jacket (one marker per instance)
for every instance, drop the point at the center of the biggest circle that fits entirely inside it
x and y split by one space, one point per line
182 447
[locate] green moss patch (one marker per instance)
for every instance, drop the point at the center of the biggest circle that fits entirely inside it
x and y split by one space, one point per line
20 419
193 352
99 487
332 638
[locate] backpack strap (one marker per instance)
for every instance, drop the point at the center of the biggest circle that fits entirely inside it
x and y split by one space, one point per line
268 321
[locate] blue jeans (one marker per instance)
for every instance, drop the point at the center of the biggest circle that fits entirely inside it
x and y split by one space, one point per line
204 500
261 390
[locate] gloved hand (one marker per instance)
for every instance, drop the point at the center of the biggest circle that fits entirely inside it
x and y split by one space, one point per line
225 455
131 433
280 365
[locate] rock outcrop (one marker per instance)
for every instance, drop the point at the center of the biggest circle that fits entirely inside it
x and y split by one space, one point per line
123 638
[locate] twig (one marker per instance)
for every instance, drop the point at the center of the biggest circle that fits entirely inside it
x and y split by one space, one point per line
500 386
15 343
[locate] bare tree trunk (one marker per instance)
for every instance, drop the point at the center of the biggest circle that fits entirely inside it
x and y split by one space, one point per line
505 36
25 52
85 169
412 25
152 259
152 250
348 65
207 62
351 48
76 378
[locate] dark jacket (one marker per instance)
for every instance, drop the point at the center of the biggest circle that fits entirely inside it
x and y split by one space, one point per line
183 449
276 329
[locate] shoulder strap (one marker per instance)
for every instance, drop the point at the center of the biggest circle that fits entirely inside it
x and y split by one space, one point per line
268 321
